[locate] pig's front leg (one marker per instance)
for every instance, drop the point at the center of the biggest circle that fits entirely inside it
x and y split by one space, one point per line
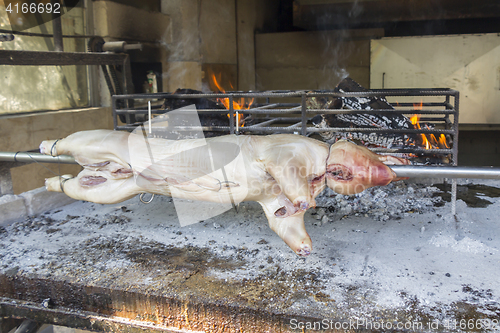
290 229
298 165
293 183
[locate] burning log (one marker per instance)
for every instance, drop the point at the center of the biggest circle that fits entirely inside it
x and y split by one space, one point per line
201 103
406 142
206 119
365 120
284 173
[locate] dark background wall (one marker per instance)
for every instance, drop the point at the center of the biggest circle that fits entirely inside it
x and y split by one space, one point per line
479 148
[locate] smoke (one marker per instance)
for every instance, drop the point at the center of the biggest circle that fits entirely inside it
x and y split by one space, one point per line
338 43
182 45
335 53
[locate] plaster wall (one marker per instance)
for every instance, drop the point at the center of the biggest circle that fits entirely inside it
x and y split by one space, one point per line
215 37
312 60
467 63
204 41
26 132
114 20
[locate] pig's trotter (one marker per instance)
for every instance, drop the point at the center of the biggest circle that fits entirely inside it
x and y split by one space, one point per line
304 251
291 230
48 147
56 184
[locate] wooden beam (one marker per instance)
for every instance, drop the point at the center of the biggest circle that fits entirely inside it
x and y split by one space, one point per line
105 309
8 324
47 58
347 14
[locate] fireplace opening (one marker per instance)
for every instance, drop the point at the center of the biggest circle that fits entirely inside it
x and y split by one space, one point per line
418 124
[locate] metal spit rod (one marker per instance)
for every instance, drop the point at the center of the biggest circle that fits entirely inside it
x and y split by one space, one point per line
411 171
27 157
416 171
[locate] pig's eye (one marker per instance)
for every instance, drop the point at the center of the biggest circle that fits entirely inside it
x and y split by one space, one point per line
339 172
280 212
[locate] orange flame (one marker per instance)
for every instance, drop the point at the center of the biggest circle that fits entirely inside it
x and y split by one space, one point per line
240 105
442 141
433 143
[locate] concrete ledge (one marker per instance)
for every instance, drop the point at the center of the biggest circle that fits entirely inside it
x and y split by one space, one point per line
17 207
12 208
40 200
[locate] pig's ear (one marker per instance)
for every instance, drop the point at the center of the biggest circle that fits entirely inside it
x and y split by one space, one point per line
393 160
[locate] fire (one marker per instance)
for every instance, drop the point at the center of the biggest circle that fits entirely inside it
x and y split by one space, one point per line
237 105
432 142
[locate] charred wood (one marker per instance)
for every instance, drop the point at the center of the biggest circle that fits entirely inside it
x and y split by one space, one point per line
210 119
366 120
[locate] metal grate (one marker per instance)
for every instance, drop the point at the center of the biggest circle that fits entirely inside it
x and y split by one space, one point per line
288 112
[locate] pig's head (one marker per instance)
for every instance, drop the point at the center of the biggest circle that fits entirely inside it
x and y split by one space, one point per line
351 168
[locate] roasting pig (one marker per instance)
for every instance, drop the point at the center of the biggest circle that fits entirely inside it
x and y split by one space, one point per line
284 173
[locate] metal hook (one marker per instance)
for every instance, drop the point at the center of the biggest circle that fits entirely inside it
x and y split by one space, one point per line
146 202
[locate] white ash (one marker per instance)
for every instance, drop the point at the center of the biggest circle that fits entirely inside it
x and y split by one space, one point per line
427 263
380 203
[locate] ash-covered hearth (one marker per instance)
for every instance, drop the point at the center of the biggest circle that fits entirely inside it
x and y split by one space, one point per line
422 267
394 201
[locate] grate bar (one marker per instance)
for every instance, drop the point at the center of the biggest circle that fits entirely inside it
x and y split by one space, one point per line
265 123
381 111
296 110
272 121
287 94
295 125
380 130
412 150
309 129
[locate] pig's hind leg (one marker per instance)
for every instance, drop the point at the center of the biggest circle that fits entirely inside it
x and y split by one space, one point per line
93 187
